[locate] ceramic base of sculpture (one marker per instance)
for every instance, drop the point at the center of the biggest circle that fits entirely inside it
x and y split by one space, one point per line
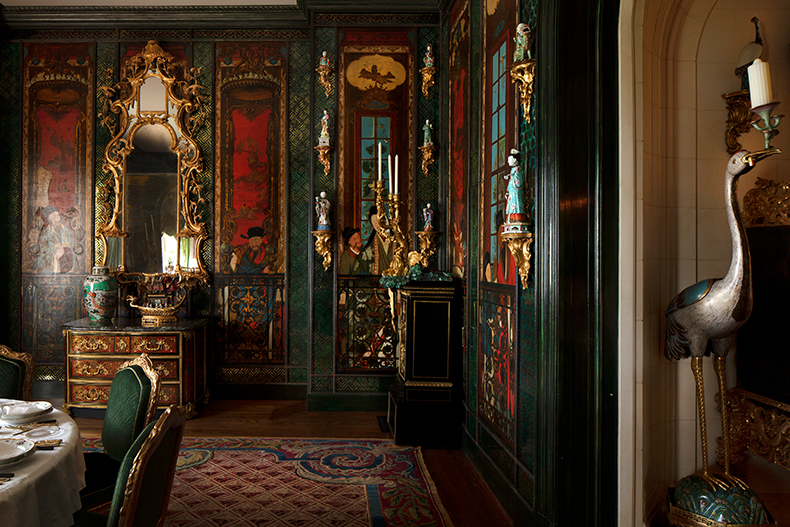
694 503
519 227
101 295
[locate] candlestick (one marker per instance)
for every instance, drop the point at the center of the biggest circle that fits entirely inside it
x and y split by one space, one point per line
396 174
389 169
760 83
379 160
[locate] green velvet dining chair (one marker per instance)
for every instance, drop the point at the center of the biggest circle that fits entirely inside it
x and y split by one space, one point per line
145 477
16 374
131 405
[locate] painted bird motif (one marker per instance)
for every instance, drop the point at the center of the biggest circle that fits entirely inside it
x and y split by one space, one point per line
703 318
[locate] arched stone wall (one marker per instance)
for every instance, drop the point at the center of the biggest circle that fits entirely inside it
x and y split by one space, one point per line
676 59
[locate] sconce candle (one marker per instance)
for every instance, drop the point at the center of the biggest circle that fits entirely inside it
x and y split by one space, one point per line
379 160
760 83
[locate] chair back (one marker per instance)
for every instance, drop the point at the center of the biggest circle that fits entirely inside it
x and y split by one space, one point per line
131 405
16 374
142 491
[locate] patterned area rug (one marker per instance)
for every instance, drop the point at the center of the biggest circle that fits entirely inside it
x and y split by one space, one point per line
300 482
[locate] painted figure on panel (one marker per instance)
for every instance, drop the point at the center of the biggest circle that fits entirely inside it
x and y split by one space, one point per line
250 257
376 256
352 241
55 244
250 132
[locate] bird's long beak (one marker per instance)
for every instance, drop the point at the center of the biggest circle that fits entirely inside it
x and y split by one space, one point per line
752 158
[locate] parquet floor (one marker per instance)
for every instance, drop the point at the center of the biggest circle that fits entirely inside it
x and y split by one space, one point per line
465 495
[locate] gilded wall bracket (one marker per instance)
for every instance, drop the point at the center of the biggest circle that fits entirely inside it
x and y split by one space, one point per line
428 74
520 245
324 73
523 74
323 246
739 117
427 241
427 157
323 157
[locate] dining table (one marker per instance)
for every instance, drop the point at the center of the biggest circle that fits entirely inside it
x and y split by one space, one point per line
43 489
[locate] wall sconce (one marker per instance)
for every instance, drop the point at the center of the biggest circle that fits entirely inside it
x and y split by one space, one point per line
738 117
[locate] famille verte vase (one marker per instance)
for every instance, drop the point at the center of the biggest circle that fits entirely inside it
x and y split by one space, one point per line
101 294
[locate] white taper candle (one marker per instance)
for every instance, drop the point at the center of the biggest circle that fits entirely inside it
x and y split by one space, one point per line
760 83
396 174
389 169
379 160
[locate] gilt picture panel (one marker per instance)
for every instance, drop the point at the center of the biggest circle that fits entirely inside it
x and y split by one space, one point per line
251 144
57 186
458 151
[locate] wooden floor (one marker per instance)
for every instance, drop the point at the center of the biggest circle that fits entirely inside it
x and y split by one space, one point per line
464 494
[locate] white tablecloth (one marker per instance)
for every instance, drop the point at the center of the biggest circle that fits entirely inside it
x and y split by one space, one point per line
45 489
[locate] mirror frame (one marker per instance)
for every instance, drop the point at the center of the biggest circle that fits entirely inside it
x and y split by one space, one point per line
182 108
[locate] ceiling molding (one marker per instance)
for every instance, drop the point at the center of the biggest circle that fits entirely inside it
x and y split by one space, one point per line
198 17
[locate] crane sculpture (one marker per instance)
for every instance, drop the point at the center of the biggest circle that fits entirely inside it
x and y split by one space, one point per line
703 318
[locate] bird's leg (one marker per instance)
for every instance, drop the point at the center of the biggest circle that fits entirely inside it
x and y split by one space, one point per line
719 366
696 368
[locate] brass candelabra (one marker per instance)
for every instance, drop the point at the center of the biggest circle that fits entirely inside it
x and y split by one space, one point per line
390 229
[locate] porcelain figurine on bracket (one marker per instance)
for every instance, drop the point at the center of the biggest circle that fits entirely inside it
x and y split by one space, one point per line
323 233
322 206
427 147
324 71
515 214
522 51
427 216
428 71
324 147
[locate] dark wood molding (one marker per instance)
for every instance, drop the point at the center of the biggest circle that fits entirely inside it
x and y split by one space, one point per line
577 220
197 17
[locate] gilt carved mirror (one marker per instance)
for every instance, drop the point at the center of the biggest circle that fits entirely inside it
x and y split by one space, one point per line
149 227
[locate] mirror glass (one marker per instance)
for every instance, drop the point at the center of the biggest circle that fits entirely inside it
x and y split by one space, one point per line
153 95
151 202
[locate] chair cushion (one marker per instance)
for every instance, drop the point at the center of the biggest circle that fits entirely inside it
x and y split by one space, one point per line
126 408
12 375
123 476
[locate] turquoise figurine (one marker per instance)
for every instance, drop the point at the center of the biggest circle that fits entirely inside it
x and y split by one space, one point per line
704 317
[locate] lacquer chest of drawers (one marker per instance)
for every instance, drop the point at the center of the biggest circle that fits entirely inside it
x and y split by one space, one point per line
95 353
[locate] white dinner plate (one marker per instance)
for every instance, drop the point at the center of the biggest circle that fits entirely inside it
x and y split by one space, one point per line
21 411
13 450
44 432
